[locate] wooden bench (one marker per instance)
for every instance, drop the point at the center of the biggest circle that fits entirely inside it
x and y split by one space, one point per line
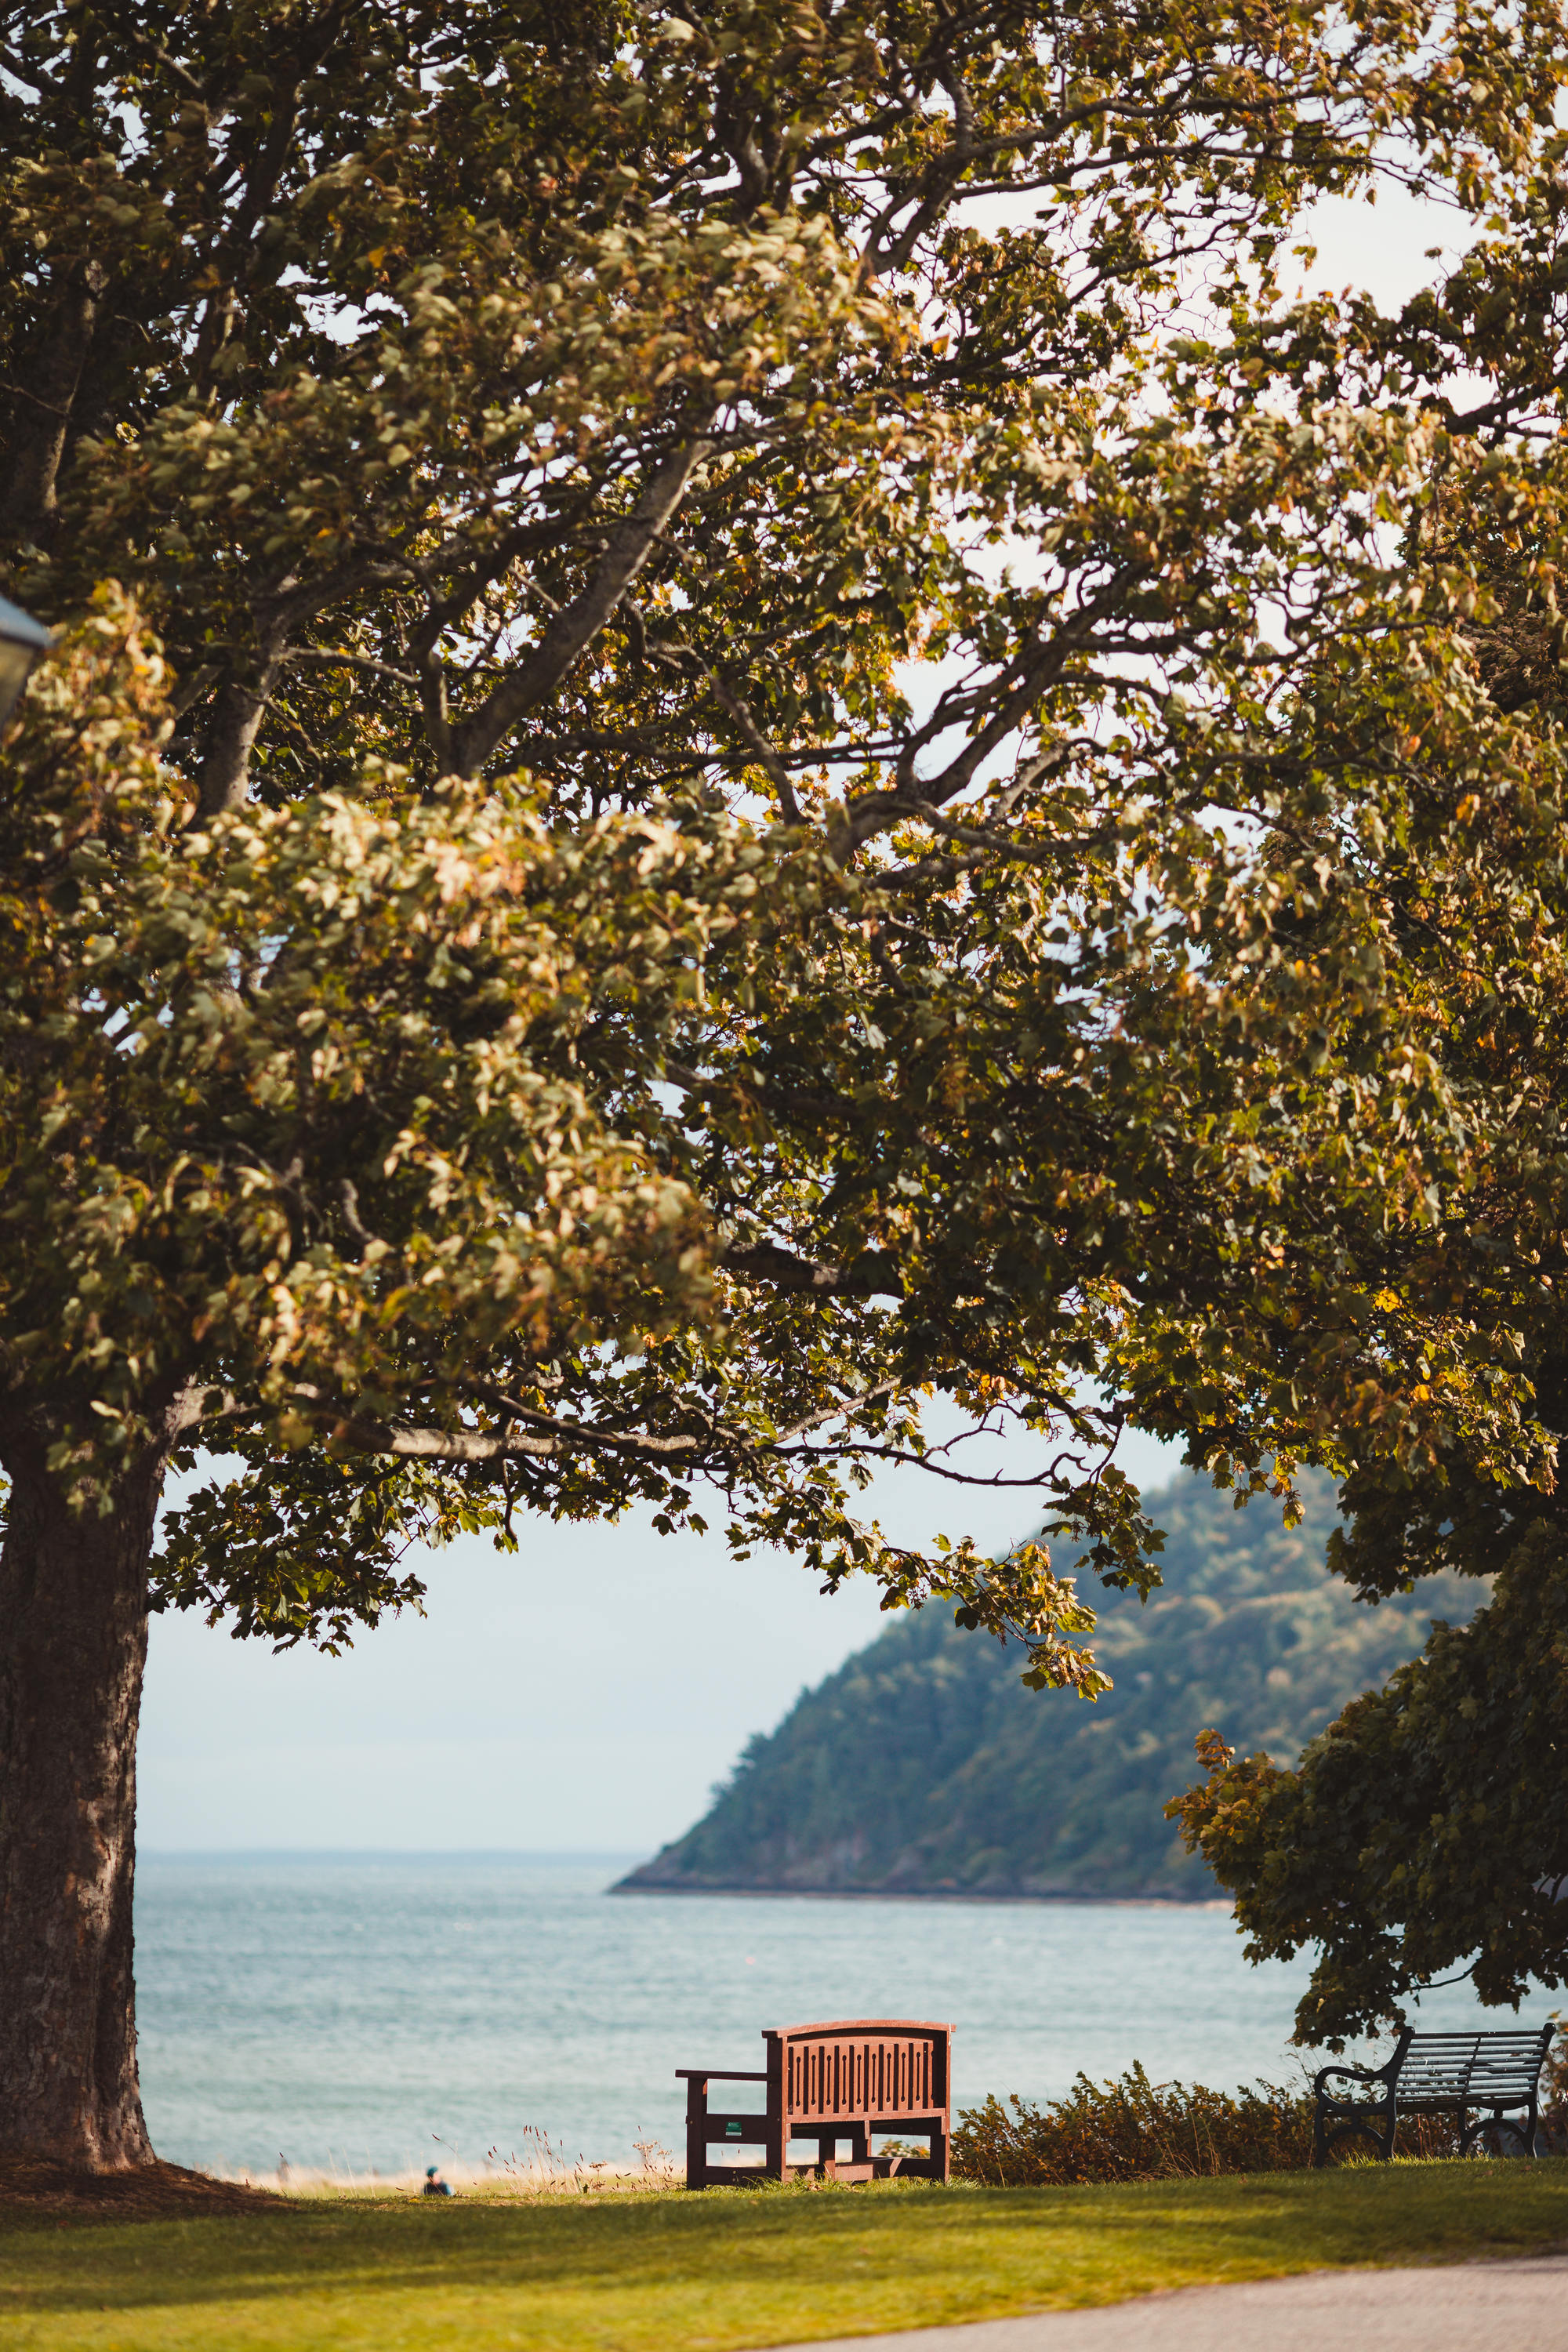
1438 2074
850 2079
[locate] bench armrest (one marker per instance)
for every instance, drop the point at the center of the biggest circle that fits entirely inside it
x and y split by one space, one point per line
714 2075
1350 2075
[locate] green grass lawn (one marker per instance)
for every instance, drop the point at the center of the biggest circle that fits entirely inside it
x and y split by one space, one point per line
728 2269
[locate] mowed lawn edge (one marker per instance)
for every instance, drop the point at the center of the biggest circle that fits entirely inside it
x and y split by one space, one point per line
731 2269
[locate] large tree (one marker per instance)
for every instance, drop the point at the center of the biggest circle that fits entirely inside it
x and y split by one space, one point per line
732 702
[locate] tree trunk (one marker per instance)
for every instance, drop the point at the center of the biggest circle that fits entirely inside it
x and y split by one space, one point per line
73 1643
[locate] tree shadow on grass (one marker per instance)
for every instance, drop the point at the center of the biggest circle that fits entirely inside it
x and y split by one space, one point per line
33 2191
1091 2244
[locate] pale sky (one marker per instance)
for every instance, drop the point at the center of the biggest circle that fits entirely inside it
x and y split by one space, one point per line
585 1695
580 1696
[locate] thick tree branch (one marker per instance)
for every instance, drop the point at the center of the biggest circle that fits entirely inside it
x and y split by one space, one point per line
870 1276
406 1443
237 711
627 546
31 496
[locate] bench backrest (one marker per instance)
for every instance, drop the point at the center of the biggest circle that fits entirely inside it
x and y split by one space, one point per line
861 2066
1475 2066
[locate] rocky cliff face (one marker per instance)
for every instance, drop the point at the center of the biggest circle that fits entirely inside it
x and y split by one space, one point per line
923 1766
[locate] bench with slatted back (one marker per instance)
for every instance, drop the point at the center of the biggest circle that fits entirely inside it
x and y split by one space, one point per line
855 2079
1495 2076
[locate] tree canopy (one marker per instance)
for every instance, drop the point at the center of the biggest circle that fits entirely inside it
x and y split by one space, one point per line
745 724
623 402
1421 1836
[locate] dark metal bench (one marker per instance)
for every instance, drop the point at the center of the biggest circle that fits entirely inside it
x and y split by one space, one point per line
1438 2074
850 2079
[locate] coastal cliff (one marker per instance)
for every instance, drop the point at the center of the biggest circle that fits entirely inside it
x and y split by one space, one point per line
923 1766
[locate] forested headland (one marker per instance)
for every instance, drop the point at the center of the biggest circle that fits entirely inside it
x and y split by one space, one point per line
924 1766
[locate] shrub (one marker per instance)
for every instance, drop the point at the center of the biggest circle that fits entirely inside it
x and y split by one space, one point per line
1133 2129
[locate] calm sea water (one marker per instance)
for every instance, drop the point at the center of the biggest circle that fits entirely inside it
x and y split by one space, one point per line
365 2012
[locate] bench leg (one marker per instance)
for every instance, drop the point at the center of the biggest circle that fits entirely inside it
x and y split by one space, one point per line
1326 2133
696 2133
826 2137
1523 2130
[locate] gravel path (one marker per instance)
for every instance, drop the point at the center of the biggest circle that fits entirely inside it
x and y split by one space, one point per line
1507 2307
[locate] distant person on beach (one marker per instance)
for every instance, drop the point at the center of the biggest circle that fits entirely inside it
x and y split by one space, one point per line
434 2184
